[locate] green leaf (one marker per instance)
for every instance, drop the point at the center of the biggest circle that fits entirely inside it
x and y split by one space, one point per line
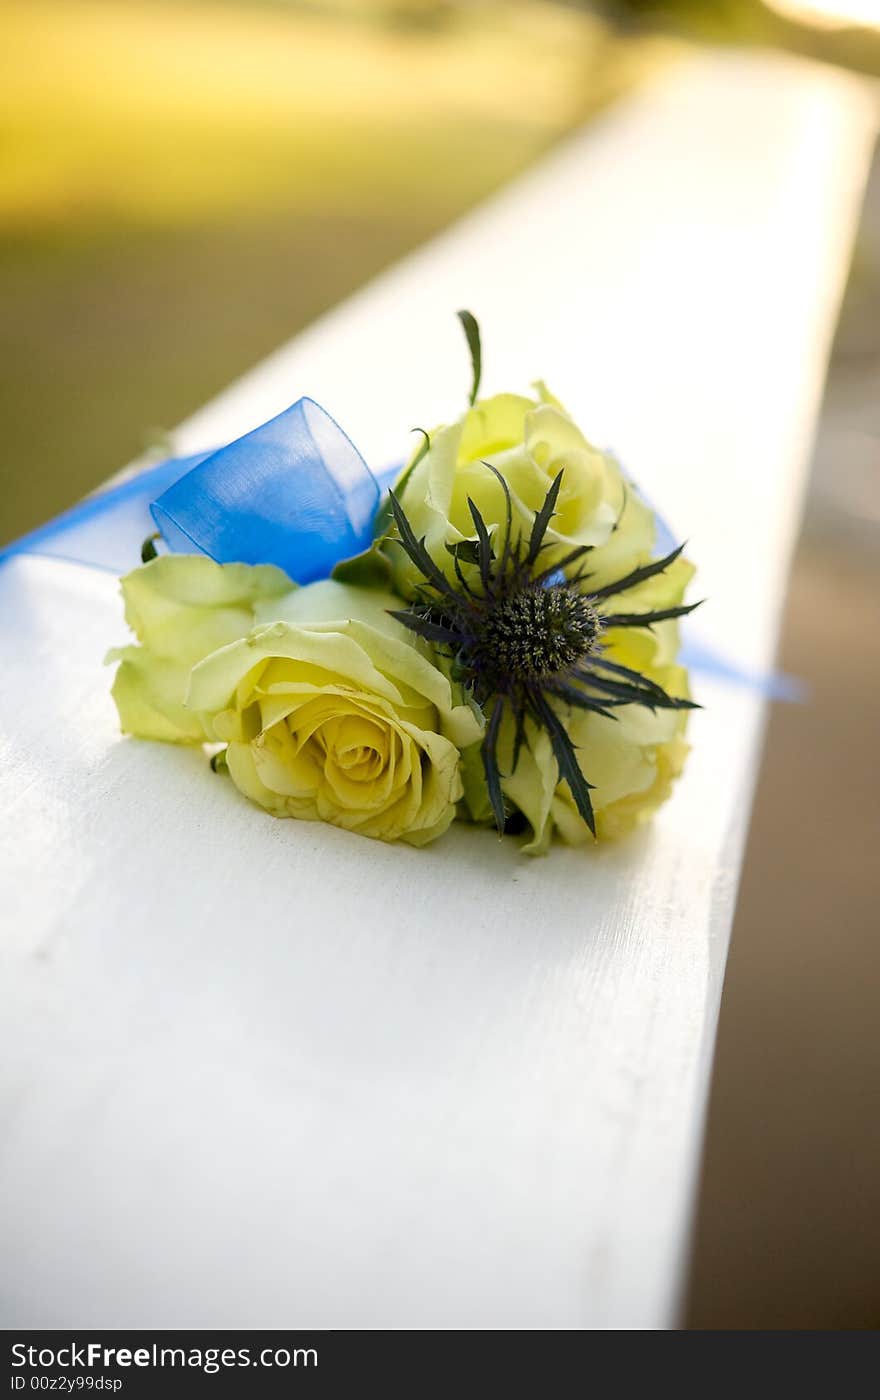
371 569
472 332
468 551
219 763
148 548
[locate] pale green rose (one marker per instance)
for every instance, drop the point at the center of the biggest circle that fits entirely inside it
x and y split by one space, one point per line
181 607
528 441
631 761
333 711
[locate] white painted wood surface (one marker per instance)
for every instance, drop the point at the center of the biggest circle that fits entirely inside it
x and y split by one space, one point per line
264 1073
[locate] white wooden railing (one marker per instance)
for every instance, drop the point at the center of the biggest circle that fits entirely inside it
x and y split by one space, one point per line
266 1074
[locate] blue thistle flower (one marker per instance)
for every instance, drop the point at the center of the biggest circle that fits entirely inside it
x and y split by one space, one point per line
528 640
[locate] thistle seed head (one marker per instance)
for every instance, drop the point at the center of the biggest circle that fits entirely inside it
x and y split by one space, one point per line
537 631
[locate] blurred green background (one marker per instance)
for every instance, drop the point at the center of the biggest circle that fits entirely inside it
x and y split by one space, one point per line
186 183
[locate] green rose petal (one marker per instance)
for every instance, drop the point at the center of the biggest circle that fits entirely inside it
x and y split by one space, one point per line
182 607
528 441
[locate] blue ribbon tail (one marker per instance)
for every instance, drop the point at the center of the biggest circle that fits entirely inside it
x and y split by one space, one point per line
106 530
696 656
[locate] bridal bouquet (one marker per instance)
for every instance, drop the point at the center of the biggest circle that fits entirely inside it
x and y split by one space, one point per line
490 638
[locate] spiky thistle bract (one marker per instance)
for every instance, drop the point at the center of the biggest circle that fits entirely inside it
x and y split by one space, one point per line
526 638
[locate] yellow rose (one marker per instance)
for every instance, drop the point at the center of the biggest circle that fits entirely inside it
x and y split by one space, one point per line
528 441
333 712
181 607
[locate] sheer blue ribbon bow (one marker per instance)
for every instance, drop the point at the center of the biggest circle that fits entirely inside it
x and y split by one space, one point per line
295 492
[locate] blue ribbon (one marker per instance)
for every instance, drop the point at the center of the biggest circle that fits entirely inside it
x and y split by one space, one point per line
295 492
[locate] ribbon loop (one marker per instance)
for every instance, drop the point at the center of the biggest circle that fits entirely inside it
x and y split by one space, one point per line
295 492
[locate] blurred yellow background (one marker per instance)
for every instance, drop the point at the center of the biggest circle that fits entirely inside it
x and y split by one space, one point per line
165 114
